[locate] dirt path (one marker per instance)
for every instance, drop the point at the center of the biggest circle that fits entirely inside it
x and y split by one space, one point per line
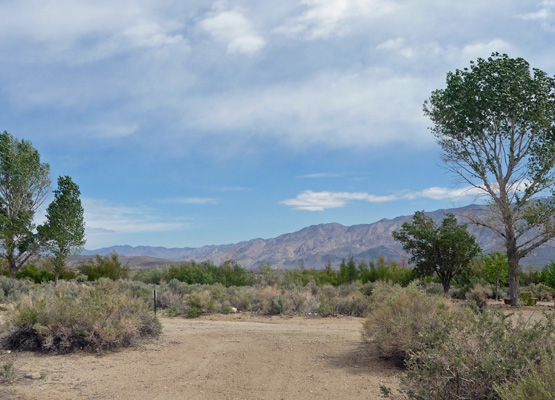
221 357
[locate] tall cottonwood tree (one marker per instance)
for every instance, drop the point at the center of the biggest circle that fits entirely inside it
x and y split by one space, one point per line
63 233
24 186
495 122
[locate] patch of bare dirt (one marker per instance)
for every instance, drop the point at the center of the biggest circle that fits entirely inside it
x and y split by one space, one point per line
219 357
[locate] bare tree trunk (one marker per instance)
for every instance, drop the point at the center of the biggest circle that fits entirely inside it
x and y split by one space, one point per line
514 273
12 264
13 269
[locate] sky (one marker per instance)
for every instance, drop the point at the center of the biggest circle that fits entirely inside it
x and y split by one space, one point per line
189 123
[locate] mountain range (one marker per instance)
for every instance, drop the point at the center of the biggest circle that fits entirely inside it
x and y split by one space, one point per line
314 246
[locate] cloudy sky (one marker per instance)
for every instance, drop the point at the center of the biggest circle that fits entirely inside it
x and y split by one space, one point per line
191 122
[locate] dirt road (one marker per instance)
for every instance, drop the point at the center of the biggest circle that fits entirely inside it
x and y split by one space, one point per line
221 357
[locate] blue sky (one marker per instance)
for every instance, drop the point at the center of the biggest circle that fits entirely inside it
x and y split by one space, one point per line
188 123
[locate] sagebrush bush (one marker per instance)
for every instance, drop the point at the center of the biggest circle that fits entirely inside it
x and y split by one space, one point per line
480 349
405 320
537 384
7 372
478 296
62 319
540 291
13 289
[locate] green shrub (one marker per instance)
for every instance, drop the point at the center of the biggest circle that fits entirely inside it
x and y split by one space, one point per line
149 276
548 275
194 312
405 320
108 266
278 305
386 271
539 291
63 319
228 274
35 274
528 297
7 372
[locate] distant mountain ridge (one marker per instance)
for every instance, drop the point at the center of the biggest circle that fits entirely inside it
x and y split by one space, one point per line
317 244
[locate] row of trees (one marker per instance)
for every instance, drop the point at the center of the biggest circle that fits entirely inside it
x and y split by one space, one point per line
24 187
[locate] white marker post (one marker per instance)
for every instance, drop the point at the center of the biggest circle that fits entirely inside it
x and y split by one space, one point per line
154 297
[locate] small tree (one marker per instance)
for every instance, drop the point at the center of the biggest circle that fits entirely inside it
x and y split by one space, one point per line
495 122
64 230
445 250
549 274
496 268
348 272
24 185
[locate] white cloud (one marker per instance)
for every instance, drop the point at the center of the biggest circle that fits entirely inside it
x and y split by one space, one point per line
235 30
103 216
545 14
484 49
337 108
81 31
327 18
320 201
439 193
457 55
392 44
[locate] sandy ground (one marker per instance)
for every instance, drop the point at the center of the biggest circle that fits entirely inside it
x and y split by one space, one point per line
221 357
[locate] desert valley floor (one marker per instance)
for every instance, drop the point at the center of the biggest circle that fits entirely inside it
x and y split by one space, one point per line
236 356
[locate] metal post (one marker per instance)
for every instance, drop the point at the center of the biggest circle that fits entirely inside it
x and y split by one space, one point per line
154 297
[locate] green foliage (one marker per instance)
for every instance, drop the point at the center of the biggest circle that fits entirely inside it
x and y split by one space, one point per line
495 122
228 274
348 272
7 372
194 312
69 317
150 276
549 274
531 276
541 291
64 230
35 274
444 250
383 271
496 269
24 184
108 266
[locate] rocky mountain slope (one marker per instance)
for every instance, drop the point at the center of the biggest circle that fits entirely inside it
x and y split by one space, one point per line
316 245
